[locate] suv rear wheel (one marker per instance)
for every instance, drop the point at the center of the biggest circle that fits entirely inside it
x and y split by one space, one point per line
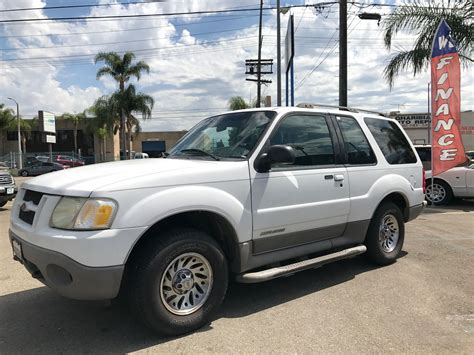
178 282
386 234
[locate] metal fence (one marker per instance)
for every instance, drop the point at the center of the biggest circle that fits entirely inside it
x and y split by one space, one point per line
12 160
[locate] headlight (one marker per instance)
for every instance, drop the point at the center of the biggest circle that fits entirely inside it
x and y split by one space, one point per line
83 214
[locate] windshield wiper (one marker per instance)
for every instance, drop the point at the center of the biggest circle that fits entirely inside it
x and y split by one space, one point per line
202 152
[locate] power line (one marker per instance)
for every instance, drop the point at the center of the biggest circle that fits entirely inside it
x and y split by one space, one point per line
122 42
82 6
131 50
207 12
129 29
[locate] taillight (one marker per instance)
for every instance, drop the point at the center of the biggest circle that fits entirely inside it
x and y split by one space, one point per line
424 181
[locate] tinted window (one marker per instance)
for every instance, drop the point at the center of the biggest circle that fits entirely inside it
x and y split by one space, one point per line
309 137
424 153
391 140
357 148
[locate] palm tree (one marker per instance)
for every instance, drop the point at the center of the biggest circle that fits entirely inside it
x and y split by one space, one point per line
131 103
76 120
422 19
101 120
238 103
25 130
7 116
121 69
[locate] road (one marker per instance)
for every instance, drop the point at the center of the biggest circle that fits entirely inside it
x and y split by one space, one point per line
424 303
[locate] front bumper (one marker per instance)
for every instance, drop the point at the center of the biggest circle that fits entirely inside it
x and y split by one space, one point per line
4 196
66 276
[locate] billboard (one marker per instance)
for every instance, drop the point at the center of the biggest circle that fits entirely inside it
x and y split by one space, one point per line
47 122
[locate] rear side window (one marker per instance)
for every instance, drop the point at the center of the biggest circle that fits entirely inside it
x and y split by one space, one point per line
356 145
391 140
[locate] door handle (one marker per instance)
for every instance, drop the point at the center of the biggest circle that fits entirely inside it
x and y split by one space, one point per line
328 177
338 177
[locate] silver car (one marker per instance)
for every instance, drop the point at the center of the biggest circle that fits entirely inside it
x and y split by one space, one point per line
40 168
457 182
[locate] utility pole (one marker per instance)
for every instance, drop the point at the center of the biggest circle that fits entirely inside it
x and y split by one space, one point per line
278 56
20 157
259 68
342 52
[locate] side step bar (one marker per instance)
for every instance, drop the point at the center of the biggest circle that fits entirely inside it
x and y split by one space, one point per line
265 275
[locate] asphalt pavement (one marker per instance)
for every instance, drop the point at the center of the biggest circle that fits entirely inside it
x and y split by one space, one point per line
424 303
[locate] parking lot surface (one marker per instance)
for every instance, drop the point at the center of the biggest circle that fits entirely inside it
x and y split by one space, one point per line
424 303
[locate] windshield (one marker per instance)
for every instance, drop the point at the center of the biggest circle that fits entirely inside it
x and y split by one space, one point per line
232 135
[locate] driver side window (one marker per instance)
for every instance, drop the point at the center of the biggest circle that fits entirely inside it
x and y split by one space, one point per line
309 136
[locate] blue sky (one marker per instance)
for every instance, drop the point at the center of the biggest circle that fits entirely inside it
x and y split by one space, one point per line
198 61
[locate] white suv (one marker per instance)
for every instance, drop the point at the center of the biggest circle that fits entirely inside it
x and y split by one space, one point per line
240 193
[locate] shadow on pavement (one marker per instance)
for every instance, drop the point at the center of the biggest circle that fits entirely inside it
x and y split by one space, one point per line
38 320
465 205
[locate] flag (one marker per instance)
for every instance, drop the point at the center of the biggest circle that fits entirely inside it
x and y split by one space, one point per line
447 147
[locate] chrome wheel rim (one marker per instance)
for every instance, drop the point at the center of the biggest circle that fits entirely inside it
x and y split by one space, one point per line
186 284
388 233
435 193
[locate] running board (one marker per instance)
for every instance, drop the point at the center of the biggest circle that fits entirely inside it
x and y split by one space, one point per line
265 275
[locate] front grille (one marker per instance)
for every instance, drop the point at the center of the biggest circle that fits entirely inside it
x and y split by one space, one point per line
35 198
6 180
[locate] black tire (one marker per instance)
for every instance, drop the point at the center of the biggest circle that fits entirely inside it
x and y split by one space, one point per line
378 251
24 173
3 203
145 274
444 193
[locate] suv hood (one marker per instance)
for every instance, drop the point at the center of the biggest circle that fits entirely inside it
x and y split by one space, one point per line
136 174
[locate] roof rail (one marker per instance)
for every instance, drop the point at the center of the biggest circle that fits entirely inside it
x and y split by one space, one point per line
344 108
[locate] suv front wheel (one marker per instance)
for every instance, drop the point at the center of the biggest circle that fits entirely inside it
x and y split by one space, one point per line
385 235
178 282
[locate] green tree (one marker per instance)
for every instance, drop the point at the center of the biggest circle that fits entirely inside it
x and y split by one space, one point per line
76 120
7 116
131 103
238 103
422 19
25 130
121 69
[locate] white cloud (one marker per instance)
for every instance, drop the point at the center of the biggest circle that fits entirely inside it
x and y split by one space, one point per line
190 75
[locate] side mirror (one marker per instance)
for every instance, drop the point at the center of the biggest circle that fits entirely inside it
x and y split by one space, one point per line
275 154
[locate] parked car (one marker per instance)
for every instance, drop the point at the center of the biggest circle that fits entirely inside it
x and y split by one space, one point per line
457 182
40 168
42 158
4 166
8 189
140 155
240 193
470 155
68 161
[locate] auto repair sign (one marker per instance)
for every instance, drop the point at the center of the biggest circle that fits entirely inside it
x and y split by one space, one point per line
447 146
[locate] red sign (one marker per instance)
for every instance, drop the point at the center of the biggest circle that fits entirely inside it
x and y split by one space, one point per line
447 146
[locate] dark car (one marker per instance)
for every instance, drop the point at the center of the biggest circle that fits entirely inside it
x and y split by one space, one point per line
40 168
68 161
8 189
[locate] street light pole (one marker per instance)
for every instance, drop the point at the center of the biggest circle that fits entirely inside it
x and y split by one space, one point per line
20 158
278 56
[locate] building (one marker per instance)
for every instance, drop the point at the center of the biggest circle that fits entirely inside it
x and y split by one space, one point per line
418 128
91 147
